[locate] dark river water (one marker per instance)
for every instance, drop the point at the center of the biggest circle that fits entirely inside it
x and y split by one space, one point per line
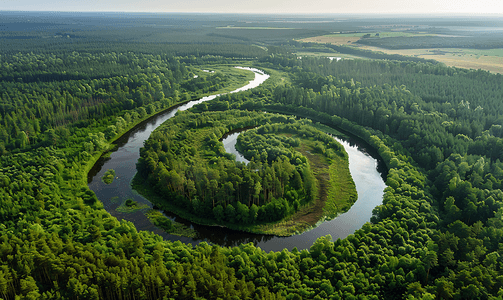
363 168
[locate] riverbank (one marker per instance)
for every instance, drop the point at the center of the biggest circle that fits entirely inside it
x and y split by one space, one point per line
127 144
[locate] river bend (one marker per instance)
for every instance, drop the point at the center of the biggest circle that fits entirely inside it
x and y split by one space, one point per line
363 168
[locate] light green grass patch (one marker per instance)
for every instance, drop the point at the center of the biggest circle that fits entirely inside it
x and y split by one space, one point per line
342 190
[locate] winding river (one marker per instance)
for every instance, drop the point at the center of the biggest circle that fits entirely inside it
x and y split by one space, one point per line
363 168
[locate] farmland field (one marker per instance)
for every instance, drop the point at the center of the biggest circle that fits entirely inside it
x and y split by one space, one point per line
485 59
349 38
338 39
489 60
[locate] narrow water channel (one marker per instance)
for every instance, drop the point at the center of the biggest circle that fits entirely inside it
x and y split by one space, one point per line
363 168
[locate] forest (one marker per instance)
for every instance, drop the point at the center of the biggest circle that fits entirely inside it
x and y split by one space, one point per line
437 235
186 164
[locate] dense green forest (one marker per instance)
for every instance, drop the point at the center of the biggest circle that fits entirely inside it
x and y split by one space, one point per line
443 154
42 93
437 235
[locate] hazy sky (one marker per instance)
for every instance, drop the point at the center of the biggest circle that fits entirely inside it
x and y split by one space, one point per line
264 6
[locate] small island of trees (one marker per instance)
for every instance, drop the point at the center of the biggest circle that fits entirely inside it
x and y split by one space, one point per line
108 177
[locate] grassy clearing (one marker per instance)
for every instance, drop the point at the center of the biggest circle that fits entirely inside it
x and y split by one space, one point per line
336 188
332 39
342 190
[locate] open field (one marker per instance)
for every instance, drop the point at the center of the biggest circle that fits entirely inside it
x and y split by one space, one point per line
349 38
485 59
326 54
338 39
490 60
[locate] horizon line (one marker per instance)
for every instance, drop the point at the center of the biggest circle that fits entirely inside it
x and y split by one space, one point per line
452 14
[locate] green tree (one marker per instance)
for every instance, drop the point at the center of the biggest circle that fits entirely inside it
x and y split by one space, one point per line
230 213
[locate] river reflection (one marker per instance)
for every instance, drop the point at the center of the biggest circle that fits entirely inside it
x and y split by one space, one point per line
363 168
